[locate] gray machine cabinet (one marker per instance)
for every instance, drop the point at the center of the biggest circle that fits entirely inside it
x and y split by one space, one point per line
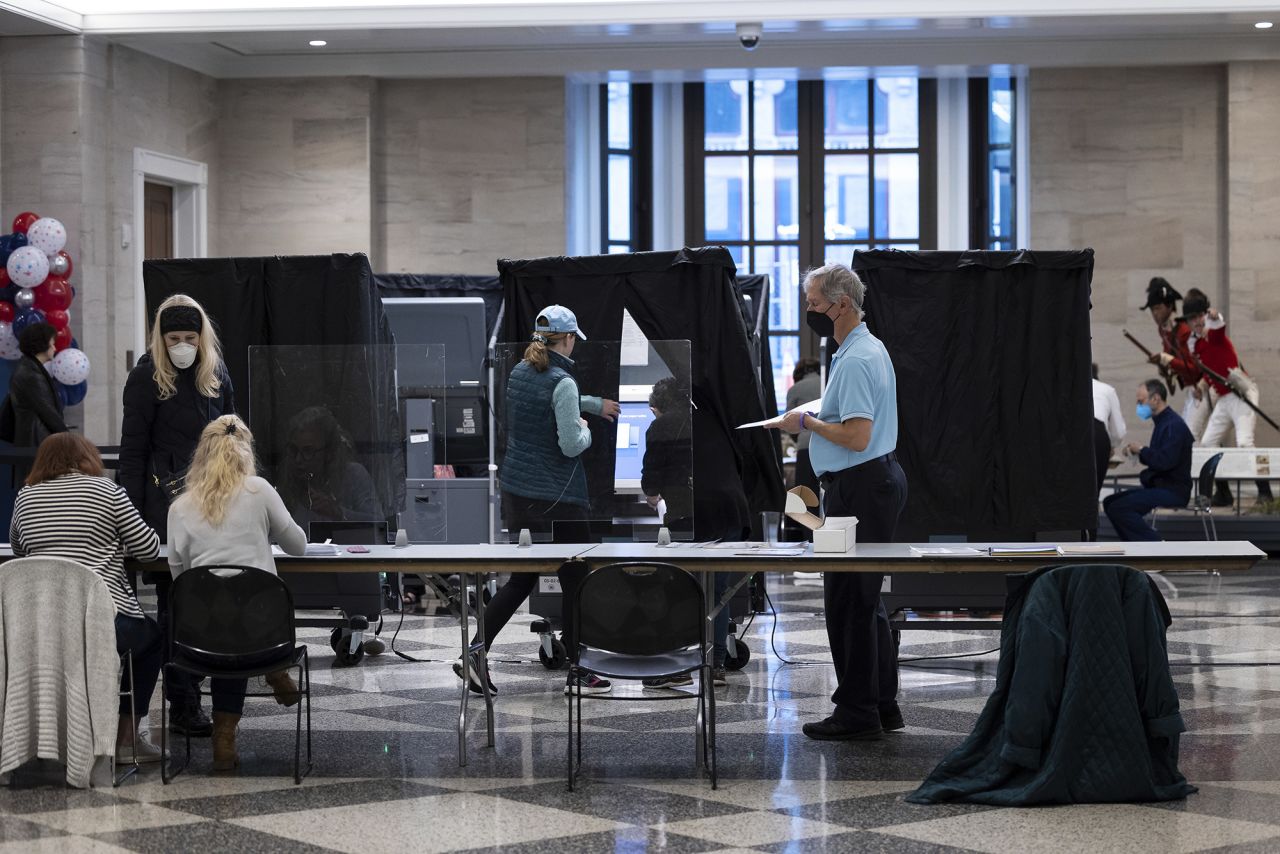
446 510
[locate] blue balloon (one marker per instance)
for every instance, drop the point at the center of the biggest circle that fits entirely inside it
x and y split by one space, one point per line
25 317
72 394
61 390
17 240
75 345
8 292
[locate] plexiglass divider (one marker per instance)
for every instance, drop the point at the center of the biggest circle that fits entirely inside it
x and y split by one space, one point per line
618 467
351 437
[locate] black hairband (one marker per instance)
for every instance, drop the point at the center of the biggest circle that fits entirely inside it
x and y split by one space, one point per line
180 318
231 429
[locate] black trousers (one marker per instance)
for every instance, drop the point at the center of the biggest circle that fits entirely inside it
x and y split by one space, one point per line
1101 458
539 517
862 647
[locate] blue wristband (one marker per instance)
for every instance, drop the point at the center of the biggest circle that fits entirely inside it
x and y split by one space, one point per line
802 427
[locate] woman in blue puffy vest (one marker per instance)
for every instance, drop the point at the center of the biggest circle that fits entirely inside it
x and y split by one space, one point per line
542 476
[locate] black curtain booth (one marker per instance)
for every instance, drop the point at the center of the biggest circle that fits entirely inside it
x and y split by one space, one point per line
301 301
488 288
673 296
995 409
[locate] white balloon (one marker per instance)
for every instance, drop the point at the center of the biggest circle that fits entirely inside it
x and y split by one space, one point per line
28 267
48 235
70 367
8 343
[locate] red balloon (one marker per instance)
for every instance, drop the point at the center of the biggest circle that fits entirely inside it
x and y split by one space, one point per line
57 318
23 221
62 339
4 278
54 294
6 312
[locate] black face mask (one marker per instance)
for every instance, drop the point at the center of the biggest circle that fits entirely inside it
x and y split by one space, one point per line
820 323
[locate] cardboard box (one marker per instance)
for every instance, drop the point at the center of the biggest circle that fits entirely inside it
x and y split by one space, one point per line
833 535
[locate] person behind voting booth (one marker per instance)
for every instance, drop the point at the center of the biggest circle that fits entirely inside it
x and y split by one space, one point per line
1166 480
320 480
1108 428
228 516
541 475
703 493
853 438
177 388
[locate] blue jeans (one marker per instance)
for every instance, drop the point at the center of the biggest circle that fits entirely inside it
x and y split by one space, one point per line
141 637
1127 511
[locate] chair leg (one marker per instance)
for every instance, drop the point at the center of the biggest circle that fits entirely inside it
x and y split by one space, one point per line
576 694
297 743
306 673
133 725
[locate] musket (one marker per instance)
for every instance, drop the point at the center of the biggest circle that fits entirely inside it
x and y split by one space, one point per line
1170 378
1214 375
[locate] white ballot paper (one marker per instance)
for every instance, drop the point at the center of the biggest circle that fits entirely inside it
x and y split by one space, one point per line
811 406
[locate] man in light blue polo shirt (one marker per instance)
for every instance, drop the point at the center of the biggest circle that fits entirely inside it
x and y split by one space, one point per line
854 436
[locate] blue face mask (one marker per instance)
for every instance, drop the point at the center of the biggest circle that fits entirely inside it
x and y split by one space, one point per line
1144 411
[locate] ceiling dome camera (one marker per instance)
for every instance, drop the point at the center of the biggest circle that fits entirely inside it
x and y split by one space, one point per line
749 35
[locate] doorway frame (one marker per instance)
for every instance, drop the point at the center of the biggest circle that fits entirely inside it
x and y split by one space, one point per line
190 182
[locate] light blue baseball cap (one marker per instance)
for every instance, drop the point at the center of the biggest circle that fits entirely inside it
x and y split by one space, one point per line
557 319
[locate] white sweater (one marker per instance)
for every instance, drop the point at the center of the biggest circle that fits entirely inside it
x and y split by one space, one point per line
59 671
254 518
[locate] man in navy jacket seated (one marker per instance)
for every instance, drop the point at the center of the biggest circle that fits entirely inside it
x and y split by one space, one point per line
1166 480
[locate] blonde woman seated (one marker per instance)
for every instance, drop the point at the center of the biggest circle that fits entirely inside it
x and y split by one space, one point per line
229 516
69 510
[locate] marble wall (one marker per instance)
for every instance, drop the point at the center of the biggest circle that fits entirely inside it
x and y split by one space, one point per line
467 170
293 167
424 176
1134 162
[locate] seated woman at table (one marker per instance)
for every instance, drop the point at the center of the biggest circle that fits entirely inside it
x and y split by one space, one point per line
228 516
68 509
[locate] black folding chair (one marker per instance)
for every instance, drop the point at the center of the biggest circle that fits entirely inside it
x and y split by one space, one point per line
1202 500
235 622
126 666
641 621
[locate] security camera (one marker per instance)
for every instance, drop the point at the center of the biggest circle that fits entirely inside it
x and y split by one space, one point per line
749 35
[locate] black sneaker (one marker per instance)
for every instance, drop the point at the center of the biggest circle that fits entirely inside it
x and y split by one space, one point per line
190 721
665 682
472 677
589 684
833 730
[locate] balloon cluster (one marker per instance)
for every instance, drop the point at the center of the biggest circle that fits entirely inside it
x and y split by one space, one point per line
34 288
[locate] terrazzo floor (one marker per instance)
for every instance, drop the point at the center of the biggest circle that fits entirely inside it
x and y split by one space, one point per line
386 777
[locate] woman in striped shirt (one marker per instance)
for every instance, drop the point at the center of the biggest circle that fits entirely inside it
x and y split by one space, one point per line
68 509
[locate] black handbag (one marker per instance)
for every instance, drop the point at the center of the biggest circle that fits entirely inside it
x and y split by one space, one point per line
172 484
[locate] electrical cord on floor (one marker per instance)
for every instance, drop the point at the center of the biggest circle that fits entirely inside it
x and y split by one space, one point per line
908 661
1224 664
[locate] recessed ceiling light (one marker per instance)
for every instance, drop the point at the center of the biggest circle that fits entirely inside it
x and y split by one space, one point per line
1263 25
322 42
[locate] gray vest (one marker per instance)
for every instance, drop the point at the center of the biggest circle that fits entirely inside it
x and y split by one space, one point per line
534 465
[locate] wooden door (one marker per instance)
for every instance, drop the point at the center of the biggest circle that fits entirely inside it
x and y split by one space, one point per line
158 221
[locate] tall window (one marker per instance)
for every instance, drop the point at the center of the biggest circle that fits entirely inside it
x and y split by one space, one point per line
788 175
992 149
626 118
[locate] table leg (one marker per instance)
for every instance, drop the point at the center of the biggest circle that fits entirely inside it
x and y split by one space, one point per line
708 588
466 687
480 580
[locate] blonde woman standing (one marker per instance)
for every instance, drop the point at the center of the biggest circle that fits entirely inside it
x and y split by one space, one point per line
177 388
228 516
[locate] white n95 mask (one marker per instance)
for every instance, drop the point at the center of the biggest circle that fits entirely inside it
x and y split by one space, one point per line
183 355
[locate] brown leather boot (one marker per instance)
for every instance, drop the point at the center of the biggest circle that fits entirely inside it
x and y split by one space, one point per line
224 741
285 689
